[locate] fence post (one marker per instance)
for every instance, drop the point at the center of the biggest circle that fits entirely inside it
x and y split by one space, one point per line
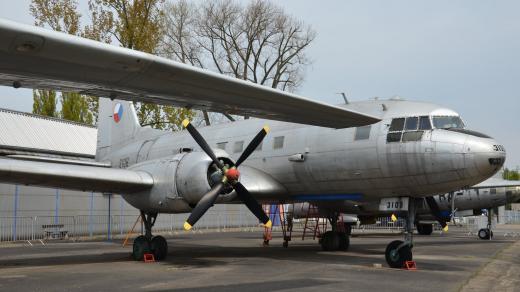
109 223
15 211
33 236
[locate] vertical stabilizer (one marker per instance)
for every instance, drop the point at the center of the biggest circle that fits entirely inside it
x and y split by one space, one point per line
117 125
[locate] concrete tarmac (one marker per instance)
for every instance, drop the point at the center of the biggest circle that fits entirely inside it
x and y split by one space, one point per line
237 261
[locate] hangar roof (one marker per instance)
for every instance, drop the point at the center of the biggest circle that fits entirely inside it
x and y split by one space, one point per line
22 133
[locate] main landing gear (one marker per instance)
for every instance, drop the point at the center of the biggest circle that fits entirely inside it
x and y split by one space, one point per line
335 239
399 252
487 233
147 243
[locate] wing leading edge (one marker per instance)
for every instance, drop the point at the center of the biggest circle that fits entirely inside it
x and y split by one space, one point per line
74 177
34 57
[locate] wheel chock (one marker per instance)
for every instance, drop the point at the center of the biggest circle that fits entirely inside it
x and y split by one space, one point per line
410 266
148 258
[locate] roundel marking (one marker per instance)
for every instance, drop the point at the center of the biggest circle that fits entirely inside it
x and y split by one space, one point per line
118 112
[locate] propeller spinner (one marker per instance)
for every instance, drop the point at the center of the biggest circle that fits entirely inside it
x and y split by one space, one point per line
230 177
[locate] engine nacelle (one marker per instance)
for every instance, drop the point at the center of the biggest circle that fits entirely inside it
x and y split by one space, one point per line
179 181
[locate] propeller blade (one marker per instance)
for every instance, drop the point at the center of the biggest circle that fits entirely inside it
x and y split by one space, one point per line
252 204
202 142
436 212
203 205
252 145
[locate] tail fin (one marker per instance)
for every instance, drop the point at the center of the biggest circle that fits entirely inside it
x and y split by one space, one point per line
117 125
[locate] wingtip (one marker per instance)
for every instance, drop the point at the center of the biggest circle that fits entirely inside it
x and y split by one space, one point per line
269 224
187 226
394 218
445 229
185 123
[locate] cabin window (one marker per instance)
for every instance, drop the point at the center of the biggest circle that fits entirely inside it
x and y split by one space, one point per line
278 142
362 133
222 145
397 125
424 123
238 147
412 136
393 137
411 123
493 191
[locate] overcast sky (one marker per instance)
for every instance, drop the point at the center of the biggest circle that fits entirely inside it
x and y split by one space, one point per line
461 54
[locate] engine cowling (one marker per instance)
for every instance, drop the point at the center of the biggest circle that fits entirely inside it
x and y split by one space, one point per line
179 182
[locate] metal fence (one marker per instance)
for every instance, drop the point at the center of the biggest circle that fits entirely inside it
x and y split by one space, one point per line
73 227
107 227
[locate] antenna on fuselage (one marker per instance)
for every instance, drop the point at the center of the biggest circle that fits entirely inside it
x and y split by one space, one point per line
344 96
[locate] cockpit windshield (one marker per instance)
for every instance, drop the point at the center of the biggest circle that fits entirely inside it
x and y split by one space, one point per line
447 122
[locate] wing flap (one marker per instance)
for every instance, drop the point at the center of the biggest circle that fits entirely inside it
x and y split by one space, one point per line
38 58
75 177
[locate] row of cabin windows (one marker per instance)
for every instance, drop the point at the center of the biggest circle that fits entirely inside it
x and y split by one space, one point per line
238 146
408 129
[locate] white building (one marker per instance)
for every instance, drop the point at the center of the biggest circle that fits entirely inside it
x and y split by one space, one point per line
28 212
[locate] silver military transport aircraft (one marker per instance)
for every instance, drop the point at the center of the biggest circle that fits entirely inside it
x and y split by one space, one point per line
388 151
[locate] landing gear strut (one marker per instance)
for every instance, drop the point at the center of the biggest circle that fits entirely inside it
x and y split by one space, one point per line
147 243
487 233
399 252
335 239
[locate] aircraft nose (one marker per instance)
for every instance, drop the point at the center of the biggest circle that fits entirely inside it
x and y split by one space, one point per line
487 154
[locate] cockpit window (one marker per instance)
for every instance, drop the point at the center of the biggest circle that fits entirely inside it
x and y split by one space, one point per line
447 122
408 130
411 123
397 125
424 123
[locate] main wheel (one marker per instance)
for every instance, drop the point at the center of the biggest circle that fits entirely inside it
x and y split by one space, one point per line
485 233
140 247
397 257
159 247
330 241
348 229
424 229
344 241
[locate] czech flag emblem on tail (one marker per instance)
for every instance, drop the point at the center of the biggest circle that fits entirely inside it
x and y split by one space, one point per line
118 112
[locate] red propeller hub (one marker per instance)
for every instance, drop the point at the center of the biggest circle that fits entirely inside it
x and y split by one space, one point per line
232 174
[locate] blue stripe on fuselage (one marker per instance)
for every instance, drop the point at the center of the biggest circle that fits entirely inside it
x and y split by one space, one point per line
328 197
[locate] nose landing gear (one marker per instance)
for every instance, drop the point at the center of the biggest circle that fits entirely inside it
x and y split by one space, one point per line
398 252
147 243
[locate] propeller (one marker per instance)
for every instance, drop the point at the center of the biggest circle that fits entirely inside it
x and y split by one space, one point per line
436 212
230 178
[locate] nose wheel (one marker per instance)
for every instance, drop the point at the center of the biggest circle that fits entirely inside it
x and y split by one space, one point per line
143 244
398 252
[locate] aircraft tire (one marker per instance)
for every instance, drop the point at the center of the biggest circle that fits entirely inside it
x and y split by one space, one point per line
485 233
159 247
344 241
330 241
396 258
140 247
425 229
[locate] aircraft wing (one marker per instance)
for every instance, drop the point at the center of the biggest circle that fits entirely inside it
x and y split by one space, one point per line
496 183
75 177
34 57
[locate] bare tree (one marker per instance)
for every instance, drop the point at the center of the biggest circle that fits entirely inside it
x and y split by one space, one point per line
257 42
